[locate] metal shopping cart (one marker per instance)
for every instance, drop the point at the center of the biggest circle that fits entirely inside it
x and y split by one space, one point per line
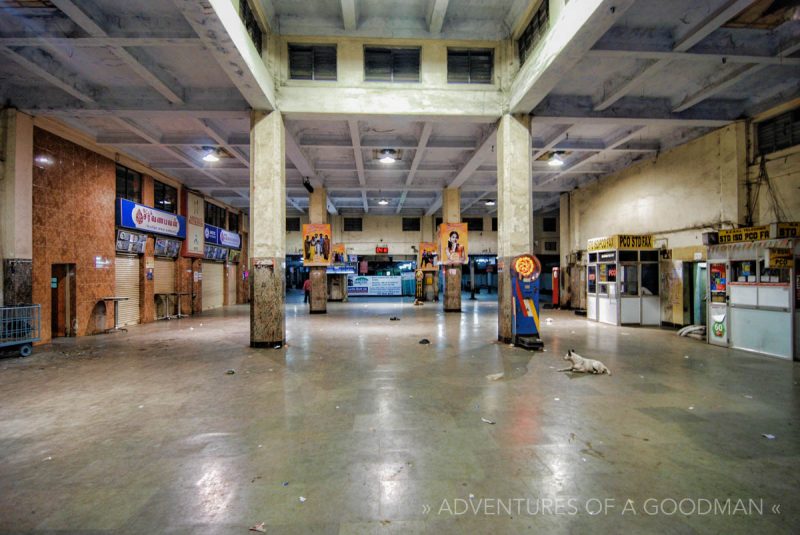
20 326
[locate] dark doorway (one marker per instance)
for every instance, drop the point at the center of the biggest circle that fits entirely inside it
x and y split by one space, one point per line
63 309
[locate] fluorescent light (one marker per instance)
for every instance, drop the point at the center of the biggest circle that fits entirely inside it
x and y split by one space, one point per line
489 203
388 156
383 202
555 161
211 157
44 159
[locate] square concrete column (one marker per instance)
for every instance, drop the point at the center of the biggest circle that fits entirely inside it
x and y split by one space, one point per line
318 214
514 210
267 235
451 213
16 207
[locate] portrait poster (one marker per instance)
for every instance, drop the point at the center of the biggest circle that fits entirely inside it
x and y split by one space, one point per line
428 257
317 245
339 253
453 242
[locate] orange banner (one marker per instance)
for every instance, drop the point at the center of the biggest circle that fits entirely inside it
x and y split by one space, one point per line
428 257
317 245
453 241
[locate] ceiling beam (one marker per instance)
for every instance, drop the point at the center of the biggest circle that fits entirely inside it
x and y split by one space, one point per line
101 42
51 72
350 15
87 24
295 204
689 38
419 153
364 201
224 35
561 133
702 57
207 126
140 131
476 200
471 165
576 30
306 168
437 10
355 140
437 203
729 79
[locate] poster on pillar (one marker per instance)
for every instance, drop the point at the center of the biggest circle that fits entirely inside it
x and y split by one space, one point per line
428 259
339 253
317 245
453 241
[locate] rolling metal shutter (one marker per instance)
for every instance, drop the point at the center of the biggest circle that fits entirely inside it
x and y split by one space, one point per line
127 285
232 284
212 284
164 276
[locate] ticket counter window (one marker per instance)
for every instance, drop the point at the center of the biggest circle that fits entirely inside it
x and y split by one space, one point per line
774 275
744 271
650 279
629 279
592 278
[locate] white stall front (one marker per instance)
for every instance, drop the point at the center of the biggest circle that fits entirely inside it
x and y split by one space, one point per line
623 280
753 291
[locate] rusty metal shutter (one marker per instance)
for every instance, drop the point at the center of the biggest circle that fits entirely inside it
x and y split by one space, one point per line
213 275
232 284
127 285
164 276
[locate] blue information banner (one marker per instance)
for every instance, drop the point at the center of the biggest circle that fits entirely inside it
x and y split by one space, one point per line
220 236
143 218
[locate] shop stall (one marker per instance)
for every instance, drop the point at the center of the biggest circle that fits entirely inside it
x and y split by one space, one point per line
135 223
164 293
218 243
753 289
623 280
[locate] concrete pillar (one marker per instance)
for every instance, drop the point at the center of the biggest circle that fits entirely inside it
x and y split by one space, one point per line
267 229
565 248
318 214
16 207
451 213
514 210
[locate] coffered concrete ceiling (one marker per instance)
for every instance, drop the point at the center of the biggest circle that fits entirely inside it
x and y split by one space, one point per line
614 82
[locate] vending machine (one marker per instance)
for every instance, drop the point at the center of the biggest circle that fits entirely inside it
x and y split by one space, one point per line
525 272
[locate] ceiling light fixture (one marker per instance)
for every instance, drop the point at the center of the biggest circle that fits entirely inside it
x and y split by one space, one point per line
44 160
388 155
211 155
383 202
489 202
555 160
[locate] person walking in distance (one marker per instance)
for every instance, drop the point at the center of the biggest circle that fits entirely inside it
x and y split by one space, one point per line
307 290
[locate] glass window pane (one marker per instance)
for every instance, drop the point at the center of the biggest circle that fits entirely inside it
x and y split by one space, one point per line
649 279
592 279
629 280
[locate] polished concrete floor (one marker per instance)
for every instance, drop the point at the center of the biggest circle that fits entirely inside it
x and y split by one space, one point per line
145 432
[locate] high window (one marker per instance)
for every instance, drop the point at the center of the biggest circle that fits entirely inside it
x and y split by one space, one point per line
411 224
778 133
352 224
474 223
391 64
233 221
165 197
534 31
251 24
311 62
292 224
549 224
469 66
129 184
215 215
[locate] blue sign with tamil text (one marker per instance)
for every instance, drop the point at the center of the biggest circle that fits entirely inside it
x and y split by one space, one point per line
143 218
220 236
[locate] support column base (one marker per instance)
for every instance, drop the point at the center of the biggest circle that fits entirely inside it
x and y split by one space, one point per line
317 311
267 345
267 323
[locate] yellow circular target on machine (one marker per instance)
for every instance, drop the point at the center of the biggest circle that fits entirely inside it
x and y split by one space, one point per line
527 266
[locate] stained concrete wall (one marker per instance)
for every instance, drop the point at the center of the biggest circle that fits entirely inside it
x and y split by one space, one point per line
676 196
783 170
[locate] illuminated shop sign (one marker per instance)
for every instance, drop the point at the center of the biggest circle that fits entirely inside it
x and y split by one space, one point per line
621 241
143 218
219 236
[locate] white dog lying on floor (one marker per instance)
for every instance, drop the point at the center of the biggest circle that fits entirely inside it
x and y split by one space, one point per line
583 365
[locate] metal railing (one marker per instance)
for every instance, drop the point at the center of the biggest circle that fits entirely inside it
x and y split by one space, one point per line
20 325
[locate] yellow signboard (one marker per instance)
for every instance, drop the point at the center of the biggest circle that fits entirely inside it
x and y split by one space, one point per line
786 230
621 241
780 258
743 234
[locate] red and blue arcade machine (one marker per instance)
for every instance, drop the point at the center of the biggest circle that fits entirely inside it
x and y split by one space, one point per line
525 272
